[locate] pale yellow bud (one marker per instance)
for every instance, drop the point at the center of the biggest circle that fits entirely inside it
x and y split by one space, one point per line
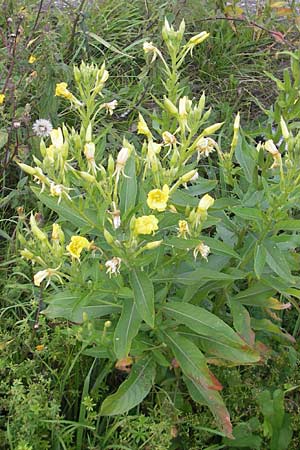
271 147
212 129
284 128
188 176
153 245
195 40
236 124
89 151
108 237
57 138
36 231
206 202
87 177
170 107
142 127
89 133
28 169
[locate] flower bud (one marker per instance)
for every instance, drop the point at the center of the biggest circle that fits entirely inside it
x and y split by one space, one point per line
212 129
170 107
57 138
188 176
236 124
108 237
195 40
87 177
36 231
89 151
88 134
153 245
28 169
284 128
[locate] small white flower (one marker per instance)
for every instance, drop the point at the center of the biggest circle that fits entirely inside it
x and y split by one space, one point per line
47 273
205 146
42 127
113 266
203 249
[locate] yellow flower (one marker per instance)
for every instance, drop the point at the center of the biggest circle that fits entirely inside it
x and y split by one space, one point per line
32 59
2 98
146 225
39 347
77 244
158 199
61 90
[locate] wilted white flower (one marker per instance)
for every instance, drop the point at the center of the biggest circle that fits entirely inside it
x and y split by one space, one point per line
205 146
110 106
113 266
42 127
203 249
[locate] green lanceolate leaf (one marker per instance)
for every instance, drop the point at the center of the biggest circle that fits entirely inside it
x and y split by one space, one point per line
288 225
260 256
193 364
217 337
201 321
132 391
128 188
255 295
143 293
241 322
126 329
71 306
246 157
63 209
198 275
277 262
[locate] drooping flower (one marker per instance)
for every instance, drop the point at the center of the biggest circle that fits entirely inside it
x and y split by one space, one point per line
58 190
146 225
42 127
109 107
196 40
77 244
273 150
203 249
169 138
113 266
158 198
47 273
183 229
205 146
122 158
149 48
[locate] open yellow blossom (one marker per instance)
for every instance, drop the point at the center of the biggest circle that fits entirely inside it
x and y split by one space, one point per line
158 199
2 98
62 90
32 59
146 225
77 244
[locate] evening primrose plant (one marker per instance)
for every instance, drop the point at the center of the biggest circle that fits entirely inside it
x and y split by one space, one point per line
162 268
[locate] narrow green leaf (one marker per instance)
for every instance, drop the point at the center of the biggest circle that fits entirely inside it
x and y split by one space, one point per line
247 213
132 391
277 262
201 321
201 274
126 329
72 305
3 138
241 322
215 403
143 292
255 295
260 256
108 45
288 225
246 157
128 189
